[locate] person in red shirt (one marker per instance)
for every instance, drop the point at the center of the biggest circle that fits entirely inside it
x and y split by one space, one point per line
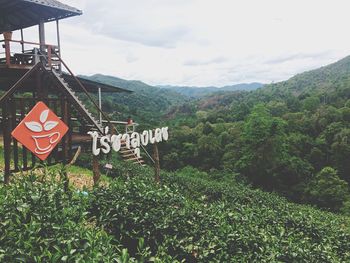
129 121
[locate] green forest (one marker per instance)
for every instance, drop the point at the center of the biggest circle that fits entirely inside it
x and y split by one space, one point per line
290 137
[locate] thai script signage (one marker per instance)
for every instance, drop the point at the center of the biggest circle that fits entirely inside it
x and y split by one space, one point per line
133 140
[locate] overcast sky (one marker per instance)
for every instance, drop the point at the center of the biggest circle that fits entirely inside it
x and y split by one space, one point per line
205 42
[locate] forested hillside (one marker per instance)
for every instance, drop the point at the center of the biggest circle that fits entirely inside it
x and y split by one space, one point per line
292 137
198 92
148 104
321 81
145 105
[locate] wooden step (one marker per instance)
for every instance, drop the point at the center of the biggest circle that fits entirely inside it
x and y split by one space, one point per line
132 159
127 155
125 148
126 151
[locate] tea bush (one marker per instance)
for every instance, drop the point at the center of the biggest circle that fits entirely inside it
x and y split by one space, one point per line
189 217
194 219
41 223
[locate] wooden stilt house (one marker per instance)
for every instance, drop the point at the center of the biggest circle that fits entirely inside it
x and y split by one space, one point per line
34 71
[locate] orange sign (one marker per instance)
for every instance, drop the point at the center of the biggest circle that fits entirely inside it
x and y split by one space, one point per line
40 131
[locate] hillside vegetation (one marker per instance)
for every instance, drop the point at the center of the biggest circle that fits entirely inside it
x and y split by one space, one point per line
198 92
146 104
292 137
323 80
192 216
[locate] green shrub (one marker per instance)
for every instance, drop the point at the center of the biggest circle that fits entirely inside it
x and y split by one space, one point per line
195 219
41 223
85 160
190 217
327 190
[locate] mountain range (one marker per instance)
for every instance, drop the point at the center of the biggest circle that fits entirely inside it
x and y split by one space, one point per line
149 103
198 92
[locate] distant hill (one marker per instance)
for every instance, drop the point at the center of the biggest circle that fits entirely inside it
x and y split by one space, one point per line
146 104
198 92
149 103
321 80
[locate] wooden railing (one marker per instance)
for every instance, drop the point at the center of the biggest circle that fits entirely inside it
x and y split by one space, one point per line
29 57
105 116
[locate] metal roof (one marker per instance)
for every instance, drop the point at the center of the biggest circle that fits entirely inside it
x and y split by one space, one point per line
17 14
92 86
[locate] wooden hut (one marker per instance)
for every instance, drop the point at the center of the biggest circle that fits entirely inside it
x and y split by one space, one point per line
34 71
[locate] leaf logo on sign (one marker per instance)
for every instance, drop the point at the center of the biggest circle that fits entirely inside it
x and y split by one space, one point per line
46 125
40 130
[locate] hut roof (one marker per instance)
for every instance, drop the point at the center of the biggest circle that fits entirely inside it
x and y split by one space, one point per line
18 14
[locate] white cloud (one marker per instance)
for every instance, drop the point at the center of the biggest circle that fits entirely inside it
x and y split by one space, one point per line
205 42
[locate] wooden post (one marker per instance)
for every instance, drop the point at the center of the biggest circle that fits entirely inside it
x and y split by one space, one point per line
14 124
156 163
64 106
7 142
54 155
7 38
59 45
39 87
42 36
95 169
24 149
70 131
31 105
49 50
22 39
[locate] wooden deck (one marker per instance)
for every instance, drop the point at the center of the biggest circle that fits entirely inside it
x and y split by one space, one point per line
14 66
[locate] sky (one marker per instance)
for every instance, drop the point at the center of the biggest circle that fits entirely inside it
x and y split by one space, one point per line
204 42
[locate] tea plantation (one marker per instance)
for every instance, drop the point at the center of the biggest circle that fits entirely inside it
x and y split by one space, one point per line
190 217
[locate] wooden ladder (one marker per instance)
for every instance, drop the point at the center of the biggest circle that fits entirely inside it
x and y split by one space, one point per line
80 105
129 155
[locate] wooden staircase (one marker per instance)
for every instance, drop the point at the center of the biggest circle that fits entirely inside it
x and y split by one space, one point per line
126 153
130 156
80 105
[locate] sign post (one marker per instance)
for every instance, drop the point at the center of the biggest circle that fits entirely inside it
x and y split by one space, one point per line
95 169
40 132
156 163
